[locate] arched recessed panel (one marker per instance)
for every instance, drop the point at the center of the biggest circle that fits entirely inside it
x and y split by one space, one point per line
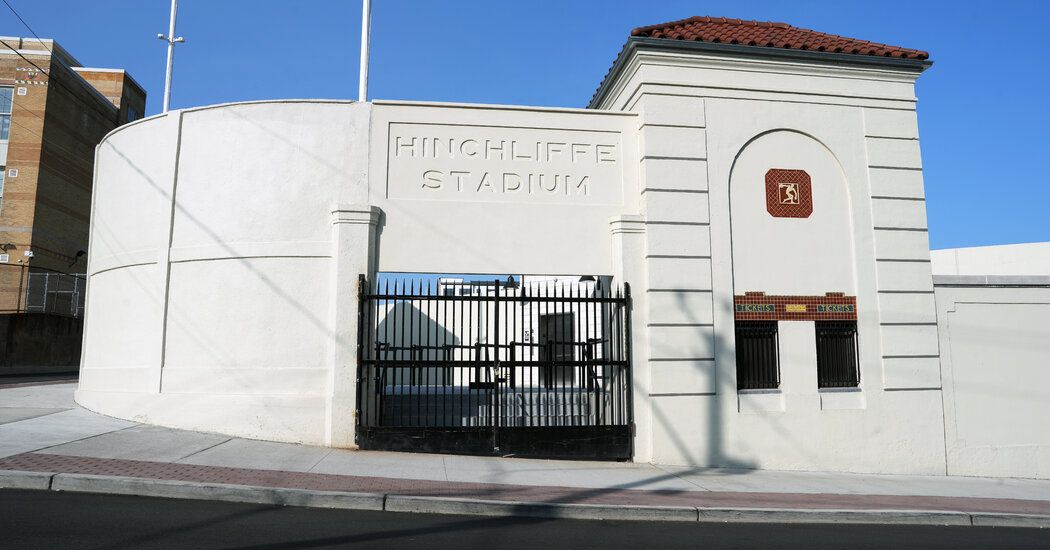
791 234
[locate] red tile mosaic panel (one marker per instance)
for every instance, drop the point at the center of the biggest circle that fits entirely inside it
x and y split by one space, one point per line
757 306
789 193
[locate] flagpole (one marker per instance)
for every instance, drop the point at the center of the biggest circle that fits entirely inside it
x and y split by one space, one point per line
366 28
171 39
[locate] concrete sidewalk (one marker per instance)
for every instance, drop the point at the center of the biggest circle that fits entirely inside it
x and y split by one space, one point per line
60 446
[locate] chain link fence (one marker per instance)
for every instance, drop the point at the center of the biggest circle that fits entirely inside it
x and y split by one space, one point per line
42 290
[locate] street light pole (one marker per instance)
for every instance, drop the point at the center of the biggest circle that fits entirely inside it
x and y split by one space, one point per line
171 39
366 28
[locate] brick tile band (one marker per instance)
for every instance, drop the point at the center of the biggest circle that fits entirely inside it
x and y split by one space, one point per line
757 306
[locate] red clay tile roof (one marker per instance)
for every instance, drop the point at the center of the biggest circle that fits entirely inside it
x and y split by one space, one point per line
770 35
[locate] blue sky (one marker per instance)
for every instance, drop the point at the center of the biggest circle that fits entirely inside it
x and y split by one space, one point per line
983 109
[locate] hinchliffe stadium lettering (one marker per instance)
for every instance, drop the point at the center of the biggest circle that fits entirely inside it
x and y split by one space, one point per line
547 167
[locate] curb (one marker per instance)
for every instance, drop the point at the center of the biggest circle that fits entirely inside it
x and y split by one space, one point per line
14 479
476 507
118 485
882 517
83 483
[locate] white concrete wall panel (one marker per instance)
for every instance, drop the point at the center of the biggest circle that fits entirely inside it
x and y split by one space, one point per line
674 174
899 213
524 177
280 166
135 167
902 307
904 276
714 76
681 342
678 240
891 123
671 110
911 373
677 307
676 207
127 334
674 142
892 182
909 340
894 153
1031 259
258 313
996 341
902 244
673 446
679 273
679 377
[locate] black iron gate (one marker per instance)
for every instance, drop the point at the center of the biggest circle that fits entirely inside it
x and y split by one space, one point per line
537 369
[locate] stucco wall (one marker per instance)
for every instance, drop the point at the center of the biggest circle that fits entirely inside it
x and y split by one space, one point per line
210 249
1010 259
699 112
226 244
995 360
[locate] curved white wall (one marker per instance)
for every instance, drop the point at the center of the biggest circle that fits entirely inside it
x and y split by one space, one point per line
226 243
210 257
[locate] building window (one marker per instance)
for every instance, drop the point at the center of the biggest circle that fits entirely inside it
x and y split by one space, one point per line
757 355
5 111
557 346
838 363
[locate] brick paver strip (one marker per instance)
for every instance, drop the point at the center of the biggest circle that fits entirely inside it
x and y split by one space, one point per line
40 462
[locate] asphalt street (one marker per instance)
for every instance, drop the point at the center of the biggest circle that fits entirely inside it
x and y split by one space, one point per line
44 519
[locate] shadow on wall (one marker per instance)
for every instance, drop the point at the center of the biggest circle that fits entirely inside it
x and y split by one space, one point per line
709 445
186 322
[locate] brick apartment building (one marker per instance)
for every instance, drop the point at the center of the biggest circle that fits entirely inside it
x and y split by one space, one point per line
53 112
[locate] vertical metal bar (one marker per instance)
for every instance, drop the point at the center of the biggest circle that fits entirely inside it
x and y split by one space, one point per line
460 379
362 303
381 372
525 372
445 359
495 391
415 340
627 338
579 385
512 310
399 353
429 323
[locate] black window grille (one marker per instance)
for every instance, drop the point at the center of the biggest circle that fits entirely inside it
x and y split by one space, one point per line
838 364
757 355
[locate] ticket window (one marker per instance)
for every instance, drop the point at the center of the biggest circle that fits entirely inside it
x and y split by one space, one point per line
757 355
838 364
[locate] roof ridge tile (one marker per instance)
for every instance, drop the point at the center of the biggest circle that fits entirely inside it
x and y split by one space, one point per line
769 34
